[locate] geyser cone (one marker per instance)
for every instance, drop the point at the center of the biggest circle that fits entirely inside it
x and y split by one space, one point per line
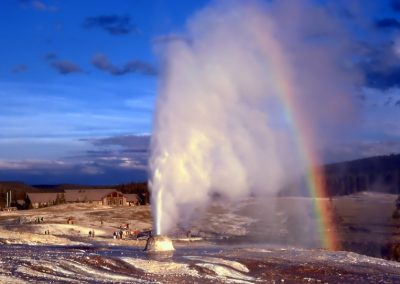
159 244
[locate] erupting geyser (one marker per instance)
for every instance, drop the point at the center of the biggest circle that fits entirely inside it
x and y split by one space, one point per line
159 244
247 95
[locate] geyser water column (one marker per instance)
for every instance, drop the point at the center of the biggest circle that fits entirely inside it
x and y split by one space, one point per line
158 205
235 93
158 243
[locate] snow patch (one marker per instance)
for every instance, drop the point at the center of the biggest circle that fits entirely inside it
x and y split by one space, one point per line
94 272
160 267
233 264
226 274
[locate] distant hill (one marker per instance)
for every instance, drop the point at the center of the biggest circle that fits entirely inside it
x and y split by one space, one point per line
62 187
379 174
14 185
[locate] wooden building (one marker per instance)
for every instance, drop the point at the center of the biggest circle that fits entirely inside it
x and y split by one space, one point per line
110 197
37 200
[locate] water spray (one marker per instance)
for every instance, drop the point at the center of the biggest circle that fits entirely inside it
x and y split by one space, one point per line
233 92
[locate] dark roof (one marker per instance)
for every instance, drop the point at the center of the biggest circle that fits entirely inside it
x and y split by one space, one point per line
132 197
82 195
42 197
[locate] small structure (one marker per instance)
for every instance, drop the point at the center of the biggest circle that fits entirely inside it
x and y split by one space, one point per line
70 220
157 244
132 199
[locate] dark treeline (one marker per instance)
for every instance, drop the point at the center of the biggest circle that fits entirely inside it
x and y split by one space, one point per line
141 189
378 174
18 191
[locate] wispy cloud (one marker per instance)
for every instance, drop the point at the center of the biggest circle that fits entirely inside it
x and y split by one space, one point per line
108 160
168 38
19 69
63 67
381 98
361 149
387 23
128 151
395 5
36 165
50 56
381 64
112 24
101 62
38 5
132 142
42 6
143 103
93 109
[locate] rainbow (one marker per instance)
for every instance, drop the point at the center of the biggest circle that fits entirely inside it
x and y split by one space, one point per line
315 177
304 139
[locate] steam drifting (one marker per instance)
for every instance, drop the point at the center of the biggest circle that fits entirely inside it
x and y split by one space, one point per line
221 125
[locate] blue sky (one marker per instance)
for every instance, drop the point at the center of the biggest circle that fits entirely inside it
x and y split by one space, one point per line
78 81
74 73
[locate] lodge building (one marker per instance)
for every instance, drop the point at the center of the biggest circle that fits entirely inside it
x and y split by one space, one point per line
110 197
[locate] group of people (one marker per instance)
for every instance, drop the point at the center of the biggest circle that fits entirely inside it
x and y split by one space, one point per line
39 220
118 235
91 234
47 232
124 228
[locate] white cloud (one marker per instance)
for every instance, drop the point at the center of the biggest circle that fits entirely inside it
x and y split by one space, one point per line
90 110
33 164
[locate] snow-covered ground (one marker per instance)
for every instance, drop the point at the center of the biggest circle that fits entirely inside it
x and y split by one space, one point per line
254 241
283 221
214 264
22 226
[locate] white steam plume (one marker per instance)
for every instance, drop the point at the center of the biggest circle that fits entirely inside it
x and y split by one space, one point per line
221 125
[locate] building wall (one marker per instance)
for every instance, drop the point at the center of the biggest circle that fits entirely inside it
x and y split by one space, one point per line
114 199
41 204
